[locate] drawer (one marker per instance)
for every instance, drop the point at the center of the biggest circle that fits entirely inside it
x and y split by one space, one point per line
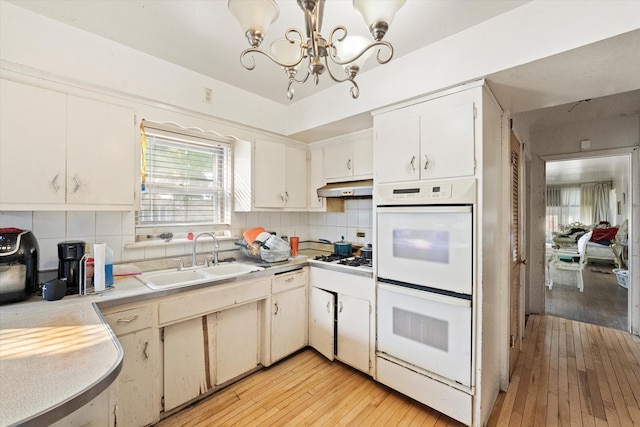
127 321
289 281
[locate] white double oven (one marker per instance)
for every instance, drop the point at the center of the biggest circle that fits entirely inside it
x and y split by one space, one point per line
425 279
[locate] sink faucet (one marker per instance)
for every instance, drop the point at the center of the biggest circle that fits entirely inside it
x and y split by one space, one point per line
195 246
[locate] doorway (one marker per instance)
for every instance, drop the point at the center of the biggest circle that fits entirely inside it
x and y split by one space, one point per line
586 233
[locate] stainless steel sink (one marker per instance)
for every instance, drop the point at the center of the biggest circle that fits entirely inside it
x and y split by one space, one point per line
167 279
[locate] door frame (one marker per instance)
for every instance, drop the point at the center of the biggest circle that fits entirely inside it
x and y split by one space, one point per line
633 154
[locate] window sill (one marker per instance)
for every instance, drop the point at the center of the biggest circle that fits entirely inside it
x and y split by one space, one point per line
177 241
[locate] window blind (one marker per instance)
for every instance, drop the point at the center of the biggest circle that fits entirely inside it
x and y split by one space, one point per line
187 180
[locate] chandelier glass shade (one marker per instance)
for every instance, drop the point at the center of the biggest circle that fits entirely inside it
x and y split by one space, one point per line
341 50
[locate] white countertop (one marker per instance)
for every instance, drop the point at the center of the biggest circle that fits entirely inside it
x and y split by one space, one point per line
55 356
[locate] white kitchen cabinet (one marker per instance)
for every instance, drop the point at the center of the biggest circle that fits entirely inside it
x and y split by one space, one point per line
80 152
137 393
433 139
288 314
349 159
341 316
316 179
353 331
280 175
97 413
322 321
185 371
237 336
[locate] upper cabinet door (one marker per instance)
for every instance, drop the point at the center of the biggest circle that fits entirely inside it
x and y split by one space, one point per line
270 174
397 148
296 178
100 153
32 144
338 161
363 157
447 141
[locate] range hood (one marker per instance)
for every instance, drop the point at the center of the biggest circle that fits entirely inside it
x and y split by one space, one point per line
352 189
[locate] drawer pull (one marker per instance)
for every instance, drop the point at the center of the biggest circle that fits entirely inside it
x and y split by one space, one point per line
289 279
144 351
128 320
277 309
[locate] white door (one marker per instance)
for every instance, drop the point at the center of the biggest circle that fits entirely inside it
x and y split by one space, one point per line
288 322
270 174
397 148
296 185
321 322
185 373
428 246
428 330
338 161
363 157
447 140
236 341
100 153
32 144
353 331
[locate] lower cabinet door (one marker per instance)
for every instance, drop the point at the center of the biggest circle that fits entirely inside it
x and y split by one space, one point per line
185 372
353 331
137 404
236 341
288 322
321 322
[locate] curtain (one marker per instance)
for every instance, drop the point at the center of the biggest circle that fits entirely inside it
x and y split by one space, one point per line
563 206
594 205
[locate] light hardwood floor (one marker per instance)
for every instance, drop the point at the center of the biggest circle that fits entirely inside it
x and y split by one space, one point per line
569 373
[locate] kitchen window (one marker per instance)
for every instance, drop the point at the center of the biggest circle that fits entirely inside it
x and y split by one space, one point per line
186 179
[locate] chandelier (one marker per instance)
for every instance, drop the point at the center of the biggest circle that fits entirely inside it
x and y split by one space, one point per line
348 52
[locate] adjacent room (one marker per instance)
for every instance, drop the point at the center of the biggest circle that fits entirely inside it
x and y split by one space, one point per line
586 240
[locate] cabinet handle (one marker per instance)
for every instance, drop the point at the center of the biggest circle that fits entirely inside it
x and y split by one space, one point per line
275 304
349 164
54 183
328 306
289 279
282 196
413 161
340 307
286 196
426 162
144 351
128 320
76 187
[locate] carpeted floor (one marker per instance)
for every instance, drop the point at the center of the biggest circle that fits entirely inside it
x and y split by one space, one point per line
603 301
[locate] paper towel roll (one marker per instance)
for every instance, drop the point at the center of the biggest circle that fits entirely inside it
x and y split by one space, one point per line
99 254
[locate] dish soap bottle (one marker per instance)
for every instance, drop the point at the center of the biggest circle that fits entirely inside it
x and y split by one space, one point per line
108 266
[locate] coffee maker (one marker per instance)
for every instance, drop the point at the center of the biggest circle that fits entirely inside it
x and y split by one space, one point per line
70 256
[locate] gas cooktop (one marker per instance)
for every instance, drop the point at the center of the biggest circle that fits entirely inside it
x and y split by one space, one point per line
353 261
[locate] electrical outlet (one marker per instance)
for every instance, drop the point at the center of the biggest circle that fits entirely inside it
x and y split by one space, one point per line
360 234
208 95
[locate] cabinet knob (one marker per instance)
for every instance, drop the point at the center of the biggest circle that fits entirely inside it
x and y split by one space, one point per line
54 183
76 186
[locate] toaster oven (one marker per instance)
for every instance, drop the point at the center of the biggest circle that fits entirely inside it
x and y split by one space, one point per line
18 264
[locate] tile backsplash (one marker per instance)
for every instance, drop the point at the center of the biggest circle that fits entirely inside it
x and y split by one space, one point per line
118 228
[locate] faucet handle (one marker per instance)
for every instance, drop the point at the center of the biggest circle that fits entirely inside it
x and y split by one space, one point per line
180 263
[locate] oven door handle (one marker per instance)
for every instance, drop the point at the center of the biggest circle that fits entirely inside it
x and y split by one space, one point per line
445 299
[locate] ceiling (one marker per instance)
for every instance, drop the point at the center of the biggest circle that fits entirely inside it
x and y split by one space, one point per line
587 170
203 36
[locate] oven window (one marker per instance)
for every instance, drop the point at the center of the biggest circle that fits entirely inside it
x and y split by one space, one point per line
423 245
421 328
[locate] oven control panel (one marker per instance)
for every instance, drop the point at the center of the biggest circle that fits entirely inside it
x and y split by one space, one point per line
461 191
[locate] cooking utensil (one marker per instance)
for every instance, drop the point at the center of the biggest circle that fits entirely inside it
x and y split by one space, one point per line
251 234
342 247
366 252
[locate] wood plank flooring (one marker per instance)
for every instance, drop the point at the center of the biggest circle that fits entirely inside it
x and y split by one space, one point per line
603 301
569 373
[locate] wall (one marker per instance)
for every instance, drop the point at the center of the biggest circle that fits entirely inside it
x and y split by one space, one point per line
605 134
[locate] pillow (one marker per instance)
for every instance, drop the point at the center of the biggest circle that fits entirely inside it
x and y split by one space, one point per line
604 234
582 242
